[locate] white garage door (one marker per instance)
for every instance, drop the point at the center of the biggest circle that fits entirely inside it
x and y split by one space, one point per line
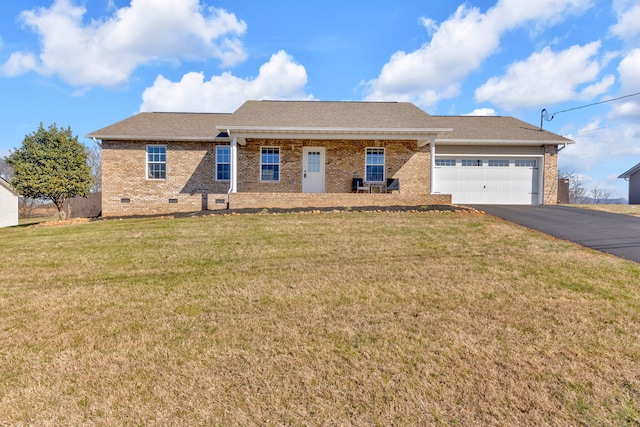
486 180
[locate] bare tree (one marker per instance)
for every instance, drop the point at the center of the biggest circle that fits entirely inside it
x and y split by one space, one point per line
5 169
599 196
95 162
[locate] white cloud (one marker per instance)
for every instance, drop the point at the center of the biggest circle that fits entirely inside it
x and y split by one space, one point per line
628 109
280 78
595 143
627 27
18 63
547 77
458 47
482 112
105 53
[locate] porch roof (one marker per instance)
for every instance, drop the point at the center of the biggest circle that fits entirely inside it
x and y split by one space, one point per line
331 120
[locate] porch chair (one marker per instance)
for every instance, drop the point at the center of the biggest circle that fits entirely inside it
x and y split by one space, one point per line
393 184
357 185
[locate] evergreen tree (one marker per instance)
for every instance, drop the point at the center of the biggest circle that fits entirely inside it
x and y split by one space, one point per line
51 164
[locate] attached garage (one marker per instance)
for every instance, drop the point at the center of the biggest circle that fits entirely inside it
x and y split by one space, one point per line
488 180
495 160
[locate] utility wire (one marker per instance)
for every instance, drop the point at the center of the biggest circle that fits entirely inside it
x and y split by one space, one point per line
545 115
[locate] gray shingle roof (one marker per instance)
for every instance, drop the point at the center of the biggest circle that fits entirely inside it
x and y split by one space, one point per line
326 114
165 127
493 128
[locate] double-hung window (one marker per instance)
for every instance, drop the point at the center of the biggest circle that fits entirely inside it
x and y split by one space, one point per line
223 163
270 164
156 162
374 165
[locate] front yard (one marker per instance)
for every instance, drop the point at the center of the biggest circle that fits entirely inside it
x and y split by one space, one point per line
353 318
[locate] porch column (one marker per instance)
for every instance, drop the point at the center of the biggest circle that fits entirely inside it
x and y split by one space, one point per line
432 148
234 164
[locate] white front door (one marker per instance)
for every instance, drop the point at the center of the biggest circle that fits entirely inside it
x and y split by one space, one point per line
313 169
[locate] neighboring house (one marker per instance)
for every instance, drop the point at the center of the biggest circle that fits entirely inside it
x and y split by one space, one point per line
283 154
633 176
8 205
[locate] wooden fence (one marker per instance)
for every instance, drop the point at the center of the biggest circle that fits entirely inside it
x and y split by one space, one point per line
84 207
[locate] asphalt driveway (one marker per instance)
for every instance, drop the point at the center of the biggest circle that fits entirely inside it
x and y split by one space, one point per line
612 233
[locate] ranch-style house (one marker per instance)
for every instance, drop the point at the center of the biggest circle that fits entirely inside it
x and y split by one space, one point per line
291 154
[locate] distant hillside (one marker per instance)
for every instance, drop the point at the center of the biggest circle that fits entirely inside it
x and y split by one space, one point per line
591 201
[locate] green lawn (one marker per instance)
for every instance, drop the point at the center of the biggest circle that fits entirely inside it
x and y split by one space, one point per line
314 319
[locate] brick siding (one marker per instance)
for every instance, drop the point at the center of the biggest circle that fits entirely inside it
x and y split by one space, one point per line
550 180
331 200
190 183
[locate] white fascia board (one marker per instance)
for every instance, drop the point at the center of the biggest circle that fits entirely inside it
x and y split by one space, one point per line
399 134
631 171
8 186
521 142
155 138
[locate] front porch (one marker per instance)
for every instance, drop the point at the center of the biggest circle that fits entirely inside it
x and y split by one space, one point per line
331 200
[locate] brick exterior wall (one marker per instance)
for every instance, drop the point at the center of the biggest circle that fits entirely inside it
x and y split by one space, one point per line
550 180
343 162
190 183
331 200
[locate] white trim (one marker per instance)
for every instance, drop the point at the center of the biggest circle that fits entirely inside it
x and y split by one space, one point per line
234 165
217 162
516 142
146 162
394 134
271 181
384 163
511 156
159 138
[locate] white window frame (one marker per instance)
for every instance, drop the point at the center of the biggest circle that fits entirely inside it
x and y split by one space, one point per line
218 162
526 163
366 164
445 163
471 163
277 149
149 162
498 163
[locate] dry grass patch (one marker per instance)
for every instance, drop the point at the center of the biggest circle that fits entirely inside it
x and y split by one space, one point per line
619 209
330 319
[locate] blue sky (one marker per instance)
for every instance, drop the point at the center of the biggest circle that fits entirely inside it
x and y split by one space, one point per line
87 64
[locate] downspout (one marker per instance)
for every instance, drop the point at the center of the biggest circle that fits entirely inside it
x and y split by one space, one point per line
233 186
432 149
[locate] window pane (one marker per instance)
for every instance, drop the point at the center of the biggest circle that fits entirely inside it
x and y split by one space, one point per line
499 162
529 163
156 162
375 173
445 162
313 161
223 163
270 167
223 172
374 167
471 162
